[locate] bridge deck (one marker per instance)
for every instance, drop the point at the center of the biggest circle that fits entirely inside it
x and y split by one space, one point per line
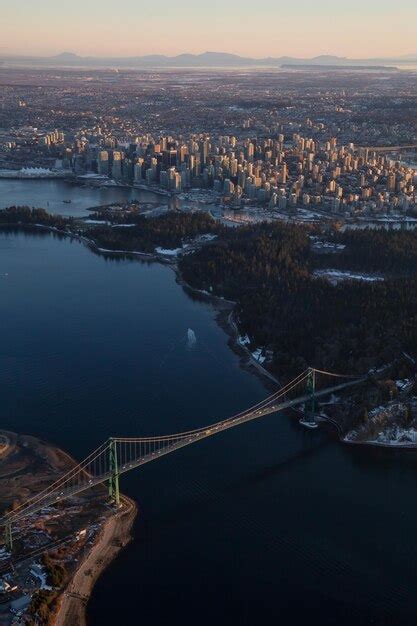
164 446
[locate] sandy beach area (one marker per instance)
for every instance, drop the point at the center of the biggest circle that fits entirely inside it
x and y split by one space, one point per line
113 537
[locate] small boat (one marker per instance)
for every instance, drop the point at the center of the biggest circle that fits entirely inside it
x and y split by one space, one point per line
67 201
191 338
308 424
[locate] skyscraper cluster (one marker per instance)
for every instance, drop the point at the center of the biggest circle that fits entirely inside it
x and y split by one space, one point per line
279 171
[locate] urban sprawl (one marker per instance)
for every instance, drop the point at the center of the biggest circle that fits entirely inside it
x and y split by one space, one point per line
288 154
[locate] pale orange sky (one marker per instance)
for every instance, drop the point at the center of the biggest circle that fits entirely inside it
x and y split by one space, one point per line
267 27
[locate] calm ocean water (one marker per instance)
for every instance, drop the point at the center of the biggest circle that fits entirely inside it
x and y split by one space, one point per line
58 196
267 523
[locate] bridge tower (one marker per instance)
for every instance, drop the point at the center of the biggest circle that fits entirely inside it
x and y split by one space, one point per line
8 537
114 492
311 389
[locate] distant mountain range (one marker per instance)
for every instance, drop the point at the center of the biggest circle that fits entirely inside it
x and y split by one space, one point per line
206 59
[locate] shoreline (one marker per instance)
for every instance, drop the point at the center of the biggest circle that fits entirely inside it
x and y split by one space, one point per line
381 444
225 319
220 304
114 536
92 182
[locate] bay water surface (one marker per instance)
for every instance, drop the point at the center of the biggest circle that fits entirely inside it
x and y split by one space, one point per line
266 523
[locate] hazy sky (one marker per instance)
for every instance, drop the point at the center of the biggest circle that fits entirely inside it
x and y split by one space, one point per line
356 28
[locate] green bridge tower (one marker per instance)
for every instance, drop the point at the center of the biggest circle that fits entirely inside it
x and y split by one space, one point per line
8 537
311 390
114 492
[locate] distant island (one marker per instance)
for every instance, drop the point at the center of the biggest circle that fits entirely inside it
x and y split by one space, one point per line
327 67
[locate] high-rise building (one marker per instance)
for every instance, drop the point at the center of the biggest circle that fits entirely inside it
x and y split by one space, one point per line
103 163
116 170
138 170
391 182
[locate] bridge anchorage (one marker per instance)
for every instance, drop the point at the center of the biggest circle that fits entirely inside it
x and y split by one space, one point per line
118 455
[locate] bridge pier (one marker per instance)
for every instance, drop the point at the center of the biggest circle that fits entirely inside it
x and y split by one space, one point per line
114 491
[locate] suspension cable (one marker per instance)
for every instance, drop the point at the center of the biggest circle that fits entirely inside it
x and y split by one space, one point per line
177 438
256 407
58 484
335 375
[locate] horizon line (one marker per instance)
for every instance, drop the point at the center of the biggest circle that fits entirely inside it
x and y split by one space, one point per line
410 56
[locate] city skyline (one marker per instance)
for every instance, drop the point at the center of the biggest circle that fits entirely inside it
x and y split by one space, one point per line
265 29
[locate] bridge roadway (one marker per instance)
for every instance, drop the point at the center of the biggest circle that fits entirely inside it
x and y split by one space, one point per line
168 444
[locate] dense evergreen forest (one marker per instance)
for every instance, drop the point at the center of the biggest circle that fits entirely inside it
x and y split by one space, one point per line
144 234
24 215
305 320
392 251
170 230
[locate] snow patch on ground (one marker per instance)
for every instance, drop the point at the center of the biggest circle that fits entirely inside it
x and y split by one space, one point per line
386 426
258 356
243 341
205 238
337 276
156 212
101 222
91 175
305 215
168 252
107 251
39 573
394 436
325 247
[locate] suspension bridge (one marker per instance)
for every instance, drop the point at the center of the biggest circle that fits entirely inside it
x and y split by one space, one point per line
119 455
